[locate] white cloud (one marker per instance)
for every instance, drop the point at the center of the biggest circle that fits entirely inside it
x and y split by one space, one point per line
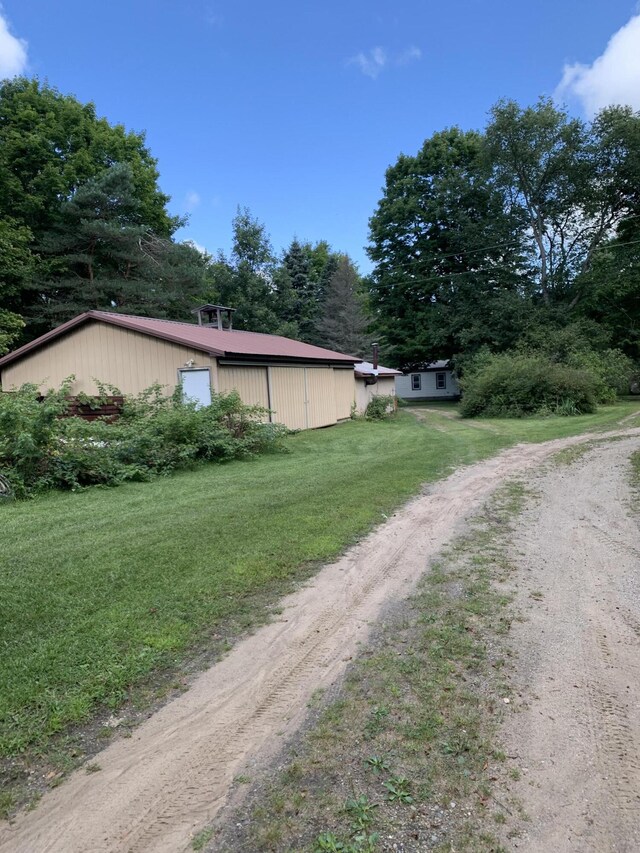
13 52
374 62
411 54
612 78
192 199
371 63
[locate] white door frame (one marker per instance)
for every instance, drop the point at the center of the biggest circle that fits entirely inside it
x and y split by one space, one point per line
183 370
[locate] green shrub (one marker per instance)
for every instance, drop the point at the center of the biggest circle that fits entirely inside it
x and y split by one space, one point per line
515 386
381 407
29 431
156 434
613 370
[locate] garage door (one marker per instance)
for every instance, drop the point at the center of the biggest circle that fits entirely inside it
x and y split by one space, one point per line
249 382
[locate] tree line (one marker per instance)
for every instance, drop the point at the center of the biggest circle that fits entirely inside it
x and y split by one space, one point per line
84 225
524 236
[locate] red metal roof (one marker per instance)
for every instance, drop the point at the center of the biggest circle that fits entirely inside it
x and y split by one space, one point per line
215 342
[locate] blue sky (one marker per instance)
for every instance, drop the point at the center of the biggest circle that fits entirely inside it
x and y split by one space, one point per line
296 109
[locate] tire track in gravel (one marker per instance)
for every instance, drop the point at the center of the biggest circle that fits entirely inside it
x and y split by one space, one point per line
156 789
577 734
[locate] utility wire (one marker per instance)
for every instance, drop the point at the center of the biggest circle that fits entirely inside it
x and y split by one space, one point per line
485 248
447 276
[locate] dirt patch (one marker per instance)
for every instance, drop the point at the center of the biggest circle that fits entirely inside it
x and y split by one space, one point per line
422 415
575 739
157 789
421 703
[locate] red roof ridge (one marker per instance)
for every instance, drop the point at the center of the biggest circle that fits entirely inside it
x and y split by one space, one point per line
215 342
196 326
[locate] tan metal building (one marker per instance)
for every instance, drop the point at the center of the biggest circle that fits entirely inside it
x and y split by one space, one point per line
373 382
304 386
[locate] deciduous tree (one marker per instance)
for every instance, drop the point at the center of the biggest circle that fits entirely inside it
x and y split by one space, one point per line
449 272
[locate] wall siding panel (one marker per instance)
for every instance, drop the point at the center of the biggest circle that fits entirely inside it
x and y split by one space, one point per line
385 386
428 389
289 396
249 382
321 394
345 392
126 359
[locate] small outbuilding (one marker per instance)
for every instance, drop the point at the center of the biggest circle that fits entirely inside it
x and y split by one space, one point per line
303 385
433 381
373 381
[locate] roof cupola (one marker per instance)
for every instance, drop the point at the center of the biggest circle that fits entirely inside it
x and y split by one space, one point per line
215 316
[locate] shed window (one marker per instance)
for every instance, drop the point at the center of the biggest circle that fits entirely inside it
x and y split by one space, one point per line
441 381
416 382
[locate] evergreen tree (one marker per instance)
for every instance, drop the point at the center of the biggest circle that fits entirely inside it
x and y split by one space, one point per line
285 303
102 255
305 303
342 323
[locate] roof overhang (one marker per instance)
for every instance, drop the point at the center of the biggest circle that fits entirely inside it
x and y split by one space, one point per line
239 359
98 317
172 334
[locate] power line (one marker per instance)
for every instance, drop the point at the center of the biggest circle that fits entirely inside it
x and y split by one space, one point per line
486 248
447 276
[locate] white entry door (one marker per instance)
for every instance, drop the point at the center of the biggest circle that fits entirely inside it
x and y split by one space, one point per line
196 385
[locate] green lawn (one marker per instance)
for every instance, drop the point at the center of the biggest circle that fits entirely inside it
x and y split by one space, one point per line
99 589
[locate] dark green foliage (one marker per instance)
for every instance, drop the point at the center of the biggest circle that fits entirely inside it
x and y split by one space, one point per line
447 276
51 144
57 162
582 345
342 322
573 183
323 262
610 291
490 239
301 283
11 324
612 369
102 255
17 267
40 449
515 386
291 296
540 159
245 280
30 434
304 291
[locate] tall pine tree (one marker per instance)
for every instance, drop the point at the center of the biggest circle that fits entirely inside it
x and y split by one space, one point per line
342 323
101 254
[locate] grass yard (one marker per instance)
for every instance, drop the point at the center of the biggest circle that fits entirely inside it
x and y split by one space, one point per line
103 588
408 747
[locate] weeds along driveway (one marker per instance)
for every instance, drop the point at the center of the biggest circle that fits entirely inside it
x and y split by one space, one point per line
155 790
